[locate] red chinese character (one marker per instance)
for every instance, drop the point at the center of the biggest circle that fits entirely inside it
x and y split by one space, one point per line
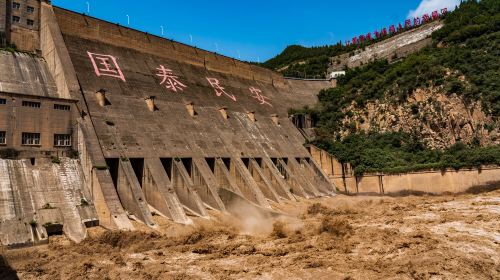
400 27
416 21
435 15
106 65
407 23
426 18
377 34
354 40
257 94
219 90
169 79
392 29
444 11
368 36
362 38
384 31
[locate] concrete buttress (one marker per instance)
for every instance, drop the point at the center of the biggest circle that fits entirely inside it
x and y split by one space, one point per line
292 179
318 177
299 173
131 195
246 183
262 181
160 193
277 180
206 184
184 187
224 178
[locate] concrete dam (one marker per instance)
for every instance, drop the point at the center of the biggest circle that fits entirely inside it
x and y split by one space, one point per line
101 124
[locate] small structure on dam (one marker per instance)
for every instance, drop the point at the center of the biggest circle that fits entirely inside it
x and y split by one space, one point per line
105 123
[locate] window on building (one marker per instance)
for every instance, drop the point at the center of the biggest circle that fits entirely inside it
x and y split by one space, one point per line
16 6
30 9
30 22
31 104
62 107
16 19
3 140
3 101
31 139
62 140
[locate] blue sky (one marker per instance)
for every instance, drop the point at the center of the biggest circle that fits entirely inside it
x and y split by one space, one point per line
255 30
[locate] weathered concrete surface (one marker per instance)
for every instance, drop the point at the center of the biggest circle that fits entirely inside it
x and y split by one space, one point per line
112 34
293 180
176 156
110 211
160 193
130 193
26 74
262 181
190 125
277 179
204 177
98 180
28 191
184 187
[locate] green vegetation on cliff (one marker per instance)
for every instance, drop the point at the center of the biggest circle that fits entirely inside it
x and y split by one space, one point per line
397 152
464 59
303 62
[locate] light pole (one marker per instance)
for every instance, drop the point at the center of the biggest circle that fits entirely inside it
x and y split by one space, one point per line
191 39
216 47
161 30
128 20
88 7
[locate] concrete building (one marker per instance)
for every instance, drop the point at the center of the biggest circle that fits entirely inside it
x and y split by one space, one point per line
36 125
20 23
336 74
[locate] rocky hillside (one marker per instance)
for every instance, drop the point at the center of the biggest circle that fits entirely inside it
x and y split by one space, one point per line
440 119
442 97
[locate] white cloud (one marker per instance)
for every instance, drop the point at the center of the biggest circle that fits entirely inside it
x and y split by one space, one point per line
428 6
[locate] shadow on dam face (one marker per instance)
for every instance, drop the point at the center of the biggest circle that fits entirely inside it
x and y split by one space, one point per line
6 272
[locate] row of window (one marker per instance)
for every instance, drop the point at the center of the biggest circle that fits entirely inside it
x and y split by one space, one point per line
29 22
17 6
33 104
33 139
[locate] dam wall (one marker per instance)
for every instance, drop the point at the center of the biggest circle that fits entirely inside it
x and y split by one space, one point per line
93 29
112 124
428 182
158 125
176 124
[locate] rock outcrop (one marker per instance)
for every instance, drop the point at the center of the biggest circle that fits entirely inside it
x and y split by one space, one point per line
440 119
